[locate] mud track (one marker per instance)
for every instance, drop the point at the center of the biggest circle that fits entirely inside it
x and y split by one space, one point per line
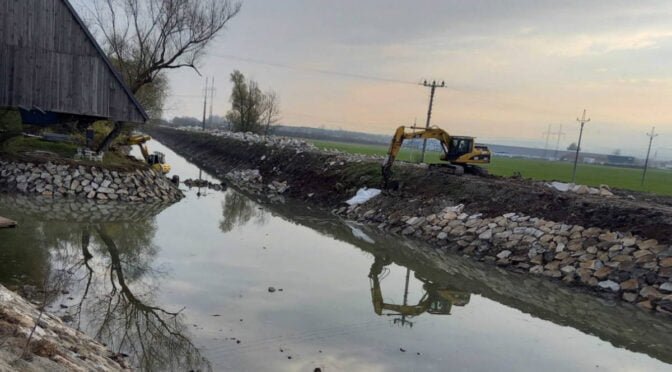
332 178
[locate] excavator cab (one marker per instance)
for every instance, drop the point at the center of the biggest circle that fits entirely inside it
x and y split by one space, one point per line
458 146
156 158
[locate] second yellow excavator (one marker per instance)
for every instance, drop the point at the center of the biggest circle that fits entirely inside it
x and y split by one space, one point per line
156 160
459 152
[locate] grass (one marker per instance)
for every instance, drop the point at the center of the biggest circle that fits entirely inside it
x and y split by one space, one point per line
20 145
657 181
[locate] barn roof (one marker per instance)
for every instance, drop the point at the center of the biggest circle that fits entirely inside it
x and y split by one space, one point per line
49 60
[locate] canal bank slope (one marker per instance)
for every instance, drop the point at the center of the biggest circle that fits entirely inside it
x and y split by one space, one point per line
615 246
34 341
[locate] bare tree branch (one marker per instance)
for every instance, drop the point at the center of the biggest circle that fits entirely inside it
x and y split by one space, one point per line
146 37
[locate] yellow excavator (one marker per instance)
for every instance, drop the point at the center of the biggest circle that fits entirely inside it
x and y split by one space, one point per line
459 152
156 160
437 300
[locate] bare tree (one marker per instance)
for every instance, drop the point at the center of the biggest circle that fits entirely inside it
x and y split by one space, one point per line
271 110
147 37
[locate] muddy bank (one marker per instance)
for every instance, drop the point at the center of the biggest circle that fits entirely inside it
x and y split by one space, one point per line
53 345
617 246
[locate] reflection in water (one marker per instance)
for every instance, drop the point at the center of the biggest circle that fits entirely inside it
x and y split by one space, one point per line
437 299
238 210
622 325
105 266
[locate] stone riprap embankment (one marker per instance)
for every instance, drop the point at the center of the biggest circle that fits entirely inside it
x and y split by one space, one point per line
53 345
616 246
636 269
90 182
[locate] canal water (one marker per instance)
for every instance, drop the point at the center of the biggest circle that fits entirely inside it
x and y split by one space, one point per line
219 281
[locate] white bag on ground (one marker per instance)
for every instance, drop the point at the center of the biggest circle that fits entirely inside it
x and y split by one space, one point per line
363 195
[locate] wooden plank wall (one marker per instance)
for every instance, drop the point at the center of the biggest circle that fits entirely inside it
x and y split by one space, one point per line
48 61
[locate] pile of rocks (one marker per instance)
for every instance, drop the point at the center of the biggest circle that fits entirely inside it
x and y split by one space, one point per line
278 187
270 140
602 190
95 183
638 270
252 181
53 346
296 144
244 176
204 183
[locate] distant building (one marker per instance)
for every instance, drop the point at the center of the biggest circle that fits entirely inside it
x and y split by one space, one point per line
52 69
620 160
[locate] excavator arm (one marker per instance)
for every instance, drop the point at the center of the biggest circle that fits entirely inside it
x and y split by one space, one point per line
398 139
140 140
157 164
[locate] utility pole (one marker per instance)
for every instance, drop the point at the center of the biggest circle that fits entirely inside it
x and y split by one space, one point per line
651 136
205 101
548 135
559 133
212 99
432 87
583 121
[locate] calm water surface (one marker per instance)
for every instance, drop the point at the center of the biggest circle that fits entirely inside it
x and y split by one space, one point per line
189 286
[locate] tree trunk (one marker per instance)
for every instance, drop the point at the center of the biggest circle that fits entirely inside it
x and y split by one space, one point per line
110 137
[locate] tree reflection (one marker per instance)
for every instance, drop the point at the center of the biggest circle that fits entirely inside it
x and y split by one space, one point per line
156 335
106 268
238 210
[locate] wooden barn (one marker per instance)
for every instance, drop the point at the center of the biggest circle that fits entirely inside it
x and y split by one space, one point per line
51 65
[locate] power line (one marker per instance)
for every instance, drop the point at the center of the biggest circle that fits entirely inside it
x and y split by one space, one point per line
315 70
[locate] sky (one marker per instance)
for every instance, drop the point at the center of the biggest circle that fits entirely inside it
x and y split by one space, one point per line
512 68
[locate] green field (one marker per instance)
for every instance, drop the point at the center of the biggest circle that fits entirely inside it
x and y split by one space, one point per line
657 181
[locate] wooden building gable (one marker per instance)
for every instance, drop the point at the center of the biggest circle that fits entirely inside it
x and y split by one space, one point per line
49 60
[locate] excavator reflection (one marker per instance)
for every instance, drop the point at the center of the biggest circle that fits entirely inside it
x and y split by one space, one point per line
437 299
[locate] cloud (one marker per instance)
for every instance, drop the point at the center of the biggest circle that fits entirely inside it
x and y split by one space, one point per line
595 44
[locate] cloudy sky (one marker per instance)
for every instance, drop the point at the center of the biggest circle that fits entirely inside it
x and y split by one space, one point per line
511 67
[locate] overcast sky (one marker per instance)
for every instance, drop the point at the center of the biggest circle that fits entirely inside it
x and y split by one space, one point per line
512 67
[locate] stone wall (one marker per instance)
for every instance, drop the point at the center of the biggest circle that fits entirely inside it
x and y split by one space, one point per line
89 182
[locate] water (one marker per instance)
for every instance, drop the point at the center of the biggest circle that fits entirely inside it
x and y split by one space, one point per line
188 286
